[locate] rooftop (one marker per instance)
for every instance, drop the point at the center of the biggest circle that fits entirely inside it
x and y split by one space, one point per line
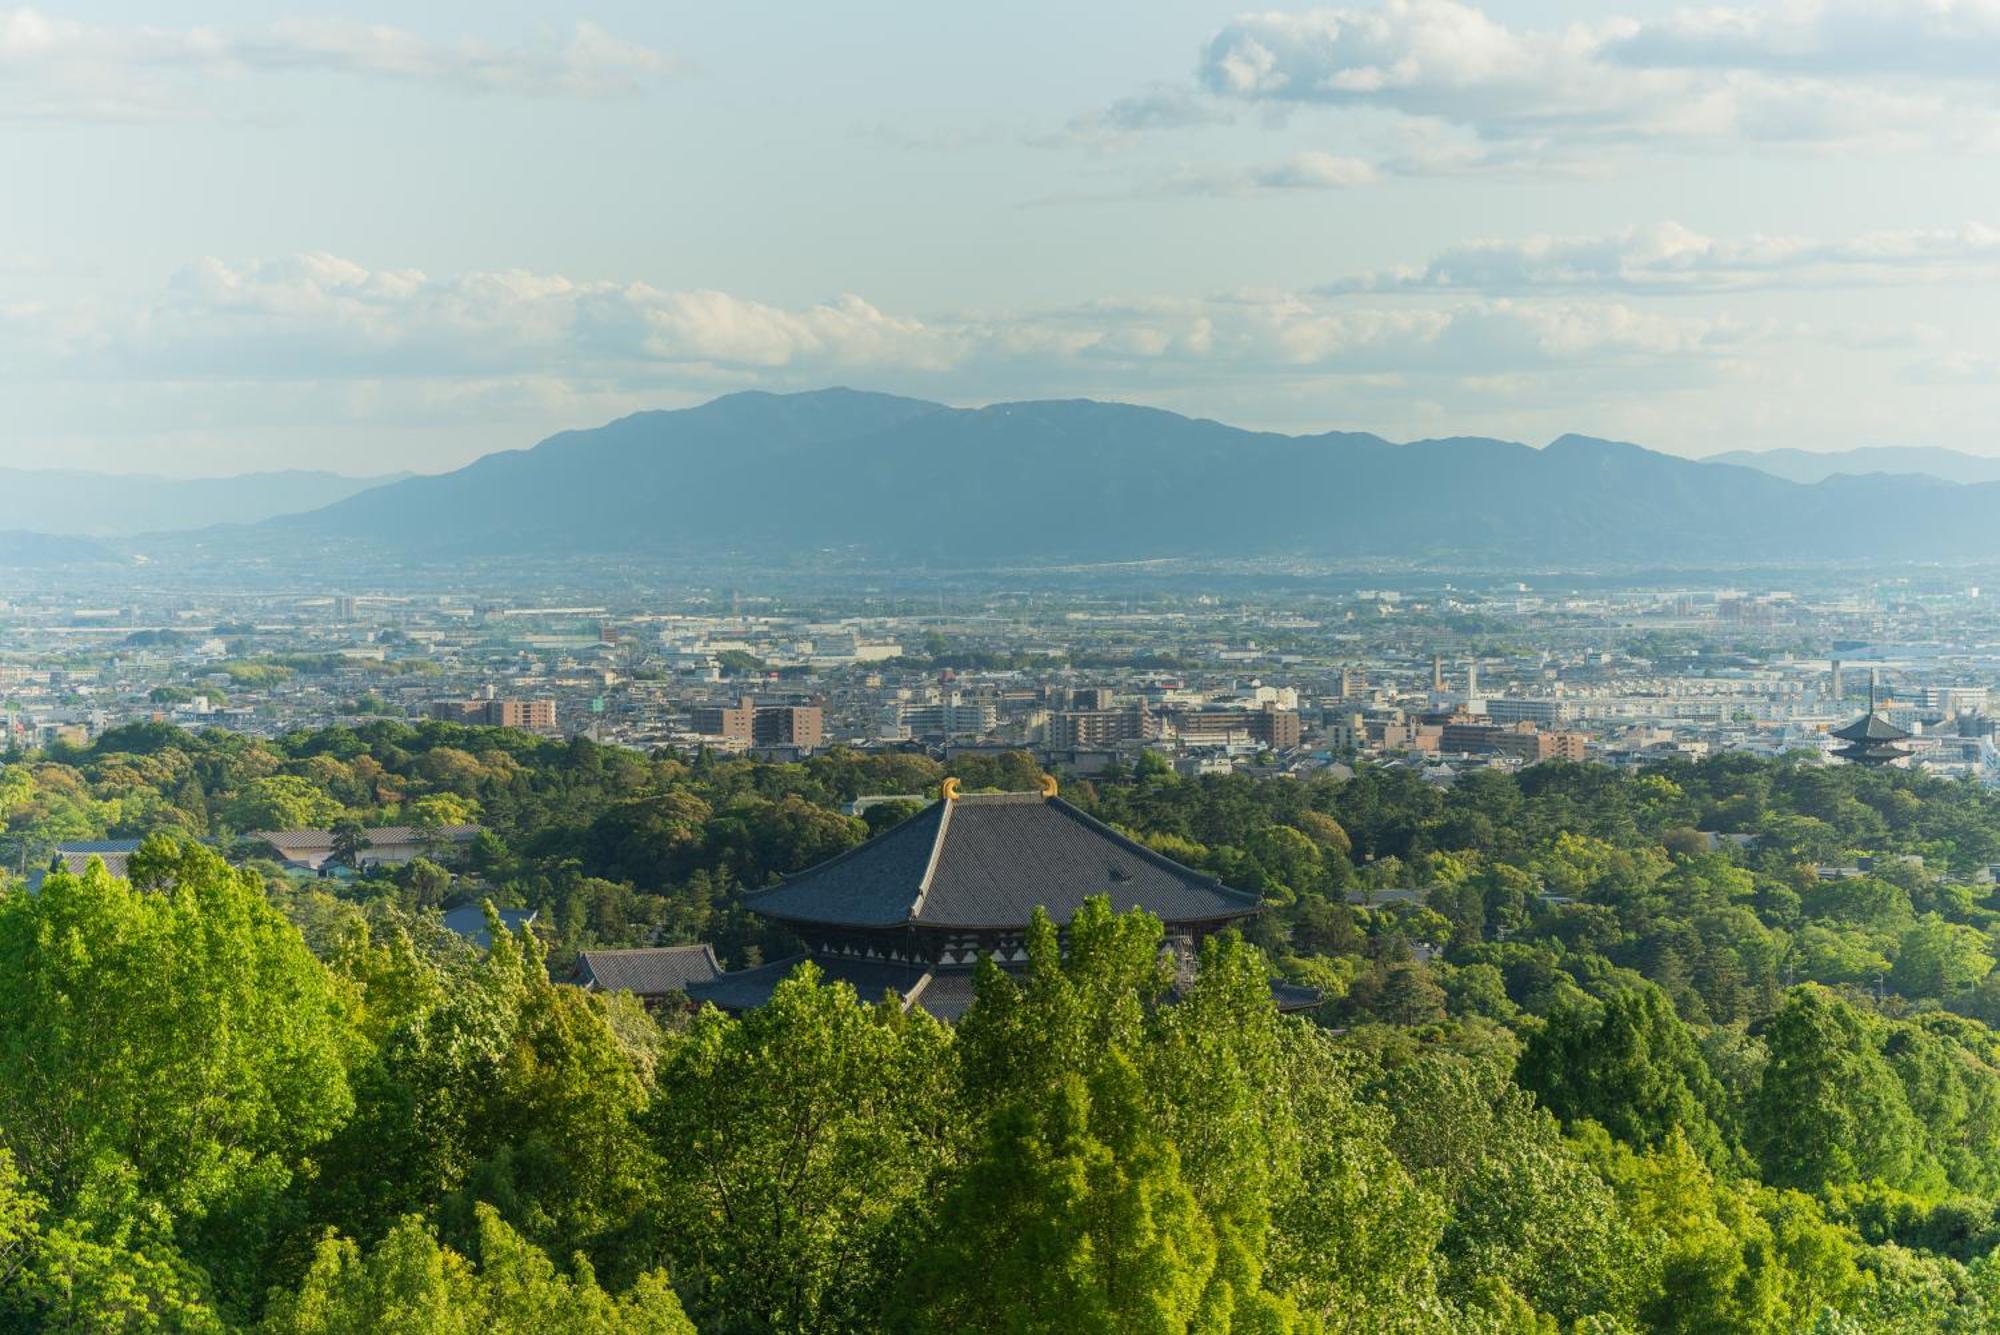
469 921
1870 727
376 835
988 860
946 993
650 972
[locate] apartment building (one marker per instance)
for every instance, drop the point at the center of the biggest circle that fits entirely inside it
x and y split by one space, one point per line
1072 728
751 724
533 715
1279 729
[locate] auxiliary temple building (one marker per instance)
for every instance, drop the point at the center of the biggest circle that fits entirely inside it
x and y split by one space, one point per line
914 909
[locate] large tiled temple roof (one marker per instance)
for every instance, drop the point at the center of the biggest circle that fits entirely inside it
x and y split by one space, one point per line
988 860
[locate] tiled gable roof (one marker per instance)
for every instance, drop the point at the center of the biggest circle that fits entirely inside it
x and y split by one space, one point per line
648 973
322 840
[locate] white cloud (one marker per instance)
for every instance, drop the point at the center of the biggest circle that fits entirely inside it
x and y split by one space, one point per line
1310 170
375 367
1316 171
321 318
1957 39
1846 72
318 316
1669 258
53 68
1119 125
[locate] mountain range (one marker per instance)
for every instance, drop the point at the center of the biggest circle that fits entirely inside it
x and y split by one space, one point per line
847 475
1809 466
76 503
850 479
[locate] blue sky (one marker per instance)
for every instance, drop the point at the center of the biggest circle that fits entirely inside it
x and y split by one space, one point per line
246 236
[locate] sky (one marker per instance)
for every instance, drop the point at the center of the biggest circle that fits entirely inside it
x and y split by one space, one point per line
241 236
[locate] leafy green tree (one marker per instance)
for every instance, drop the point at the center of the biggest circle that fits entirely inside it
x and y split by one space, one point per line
1632 1066
1072 1217
1290 857
884 816
1719 1255
350 841
1936 958
280 802
1353 1236
111 1266
411 1283
1525 1212
1068 1009
1408 995
1953 1089
1829 1108
424 884
649 842
1213 1068
433 813
499 1087
180 1039
793 1144
1326 832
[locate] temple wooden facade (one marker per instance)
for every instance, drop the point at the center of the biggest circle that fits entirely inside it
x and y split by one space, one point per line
913 910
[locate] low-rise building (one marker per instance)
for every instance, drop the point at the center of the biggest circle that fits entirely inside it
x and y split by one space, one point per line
383 846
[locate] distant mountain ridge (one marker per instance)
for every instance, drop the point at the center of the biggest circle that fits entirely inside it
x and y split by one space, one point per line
1808 466
19 550
805 478
77 503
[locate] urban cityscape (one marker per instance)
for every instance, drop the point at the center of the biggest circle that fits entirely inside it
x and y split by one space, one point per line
1433 677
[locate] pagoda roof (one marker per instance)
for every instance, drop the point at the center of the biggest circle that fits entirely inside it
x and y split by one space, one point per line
988 860
1870 727
1872 752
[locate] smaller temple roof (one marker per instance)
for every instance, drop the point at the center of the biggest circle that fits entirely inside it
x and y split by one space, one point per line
988 860
649 972
1871 727
1872 753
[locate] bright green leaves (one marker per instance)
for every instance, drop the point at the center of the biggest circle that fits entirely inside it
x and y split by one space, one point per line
797 1145
181 1038
409 1284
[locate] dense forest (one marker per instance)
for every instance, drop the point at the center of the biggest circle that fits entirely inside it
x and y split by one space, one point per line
1704 1047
